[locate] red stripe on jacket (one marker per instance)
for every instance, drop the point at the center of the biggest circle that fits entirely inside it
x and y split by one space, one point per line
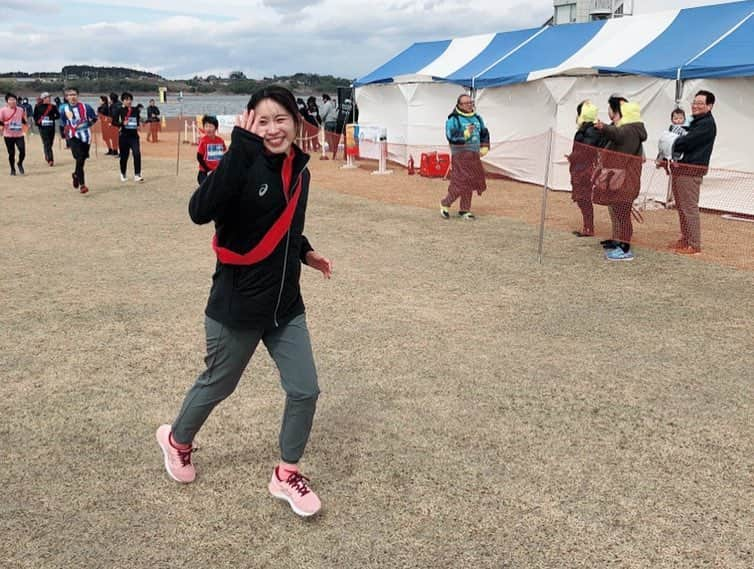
272 238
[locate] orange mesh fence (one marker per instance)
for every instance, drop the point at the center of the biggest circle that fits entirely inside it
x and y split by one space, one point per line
611 195
678 207
629 198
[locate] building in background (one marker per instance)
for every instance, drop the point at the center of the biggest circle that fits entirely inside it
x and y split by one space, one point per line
579 11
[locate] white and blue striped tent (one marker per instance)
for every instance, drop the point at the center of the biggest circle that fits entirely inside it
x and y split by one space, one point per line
530 81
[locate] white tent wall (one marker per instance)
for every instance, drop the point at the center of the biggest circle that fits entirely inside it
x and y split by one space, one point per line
519 118
384 106
414 115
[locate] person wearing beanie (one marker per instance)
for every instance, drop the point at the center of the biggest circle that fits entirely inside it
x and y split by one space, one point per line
582 161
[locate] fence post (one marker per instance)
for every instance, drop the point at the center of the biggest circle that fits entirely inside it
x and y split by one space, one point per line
545 187
382 168
178 151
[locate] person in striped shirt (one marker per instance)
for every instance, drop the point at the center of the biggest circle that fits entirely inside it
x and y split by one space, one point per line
77 118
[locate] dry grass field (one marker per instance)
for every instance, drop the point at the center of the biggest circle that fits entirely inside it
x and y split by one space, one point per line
479 409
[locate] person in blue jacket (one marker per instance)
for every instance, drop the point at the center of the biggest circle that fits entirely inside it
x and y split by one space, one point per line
469 140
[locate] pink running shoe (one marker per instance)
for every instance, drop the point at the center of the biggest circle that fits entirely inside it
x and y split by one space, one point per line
295 490
177 461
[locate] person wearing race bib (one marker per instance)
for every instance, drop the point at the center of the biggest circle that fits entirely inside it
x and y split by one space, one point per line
76 118
13 120
45 115
128 119
211 148
257 200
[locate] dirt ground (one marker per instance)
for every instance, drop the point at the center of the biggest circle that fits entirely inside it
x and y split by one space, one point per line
480 409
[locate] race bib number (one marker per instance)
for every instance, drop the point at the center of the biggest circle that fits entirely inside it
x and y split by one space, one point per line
46 121
131 123
214 152
14 126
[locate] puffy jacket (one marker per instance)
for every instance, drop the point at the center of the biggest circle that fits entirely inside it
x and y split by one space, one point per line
583 158
463 138
628 138
244 197
696 146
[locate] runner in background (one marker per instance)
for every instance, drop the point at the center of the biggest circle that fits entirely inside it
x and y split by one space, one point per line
103 112
128 120
45 115
59 104
115 106
77 118
153 118
211 148
13 119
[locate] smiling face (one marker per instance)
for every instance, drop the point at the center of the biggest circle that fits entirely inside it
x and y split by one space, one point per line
275 125
699 106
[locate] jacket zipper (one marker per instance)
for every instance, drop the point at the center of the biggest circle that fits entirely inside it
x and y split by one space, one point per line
285 258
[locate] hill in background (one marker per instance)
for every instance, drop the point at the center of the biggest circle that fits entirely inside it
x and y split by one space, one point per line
101 80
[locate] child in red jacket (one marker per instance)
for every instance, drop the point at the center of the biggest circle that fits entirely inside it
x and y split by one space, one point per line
211 148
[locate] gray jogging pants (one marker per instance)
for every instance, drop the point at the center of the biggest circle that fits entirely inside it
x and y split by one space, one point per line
228 353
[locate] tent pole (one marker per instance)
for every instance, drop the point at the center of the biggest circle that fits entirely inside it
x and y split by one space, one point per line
550 138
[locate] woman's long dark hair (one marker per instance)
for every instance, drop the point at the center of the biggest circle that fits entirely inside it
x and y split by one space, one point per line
281 96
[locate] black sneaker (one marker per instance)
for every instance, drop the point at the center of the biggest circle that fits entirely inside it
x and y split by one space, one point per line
75 180
466 215
21 169
12 172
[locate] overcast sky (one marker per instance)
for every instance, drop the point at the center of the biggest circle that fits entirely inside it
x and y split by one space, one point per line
183 38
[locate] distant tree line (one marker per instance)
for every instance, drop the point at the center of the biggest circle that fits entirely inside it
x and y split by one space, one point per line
91 79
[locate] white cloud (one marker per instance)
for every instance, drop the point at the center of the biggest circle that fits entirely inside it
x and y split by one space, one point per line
348 38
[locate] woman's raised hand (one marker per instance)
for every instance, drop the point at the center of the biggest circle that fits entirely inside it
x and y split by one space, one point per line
246 120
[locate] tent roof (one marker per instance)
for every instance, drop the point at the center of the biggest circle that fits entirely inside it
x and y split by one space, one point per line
548 49
690 33
731 57
709 41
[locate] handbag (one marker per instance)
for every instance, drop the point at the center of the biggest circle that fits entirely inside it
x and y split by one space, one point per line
608 185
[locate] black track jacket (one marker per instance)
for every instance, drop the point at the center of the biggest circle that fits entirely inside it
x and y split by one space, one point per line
244 197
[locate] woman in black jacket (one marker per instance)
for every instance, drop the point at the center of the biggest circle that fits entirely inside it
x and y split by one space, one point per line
257 200
583 159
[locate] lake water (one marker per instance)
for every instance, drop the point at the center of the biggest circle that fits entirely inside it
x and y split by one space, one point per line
191 105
